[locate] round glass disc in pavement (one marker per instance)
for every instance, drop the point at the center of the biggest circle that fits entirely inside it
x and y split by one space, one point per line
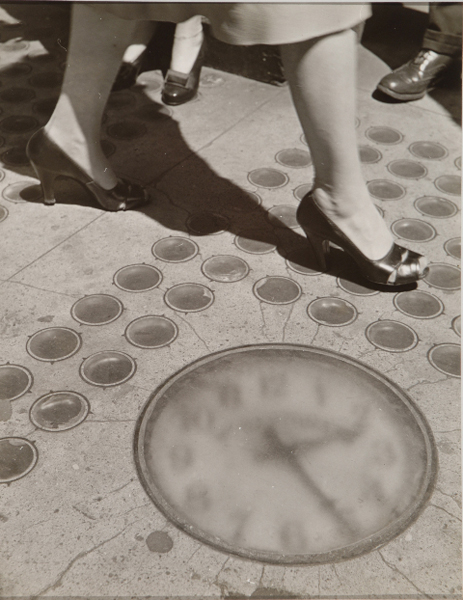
15 381
108 368
97 309
17 458
419 304
138 278
283 215
443 277
369 155
456 325
277 290
59 411
225 269
151 331
334 312
453 247
294 157
189 297
285 454
439 208
413 230
446 358
383 189
392 336
175 249
3 213
54 343
449 184
384 135
407 168
268 178
429 150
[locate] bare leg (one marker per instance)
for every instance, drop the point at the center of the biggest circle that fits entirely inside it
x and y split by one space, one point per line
321 73
98 42
187 44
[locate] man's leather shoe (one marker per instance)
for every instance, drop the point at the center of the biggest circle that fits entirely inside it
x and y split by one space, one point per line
412 80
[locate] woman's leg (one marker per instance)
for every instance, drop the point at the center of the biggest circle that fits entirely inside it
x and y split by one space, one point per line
188 40
98 42
322 76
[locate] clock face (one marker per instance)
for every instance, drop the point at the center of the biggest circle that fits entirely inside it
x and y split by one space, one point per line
285 454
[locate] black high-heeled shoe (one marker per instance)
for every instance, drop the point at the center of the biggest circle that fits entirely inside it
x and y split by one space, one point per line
50 162
180 87
399 267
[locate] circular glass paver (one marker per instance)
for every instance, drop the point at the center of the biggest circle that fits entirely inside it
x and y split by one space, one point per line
246 201
16 157
97 309
18 124
383 189
17 458
49 79
207 223
369 155
53 343
15 381
108 368
120 100
189 297
449 184
456 325
17 95
138 278
443 277
458 163
431 206
252 243
153 113
44 107
354 288
22 191
175 249
446 358
283 215
225 269
334 312
14 46
414 230
428 150
285 454
392 336
268 178
407 168
384 135
277 290
108 148
302 190
127 130
16 70
3 213
301 260
418 304
452 247
294 158
59 411
151 331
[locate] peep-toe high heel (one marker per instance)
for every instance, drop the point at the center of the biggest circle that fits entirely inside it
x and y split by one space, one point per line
50 162
398 267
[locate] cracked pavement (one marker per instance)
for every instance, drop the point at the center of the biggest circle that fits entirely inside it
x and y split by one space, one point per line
79 523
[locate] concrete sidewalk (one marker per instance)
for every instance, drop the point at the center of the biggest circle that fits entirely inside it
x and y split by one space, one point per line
217 261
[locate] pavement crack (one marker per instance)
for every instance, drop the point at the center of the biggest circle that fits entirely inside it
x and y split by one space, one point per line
83 554
83 513
198 548
120 488
425 382
195 332
286 322
264 324
446 511
315 334
396 570
448 496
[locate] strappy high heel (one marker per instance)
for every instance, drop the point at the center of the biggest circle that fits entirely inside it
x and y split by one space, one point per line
50 162
399 267
180 87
